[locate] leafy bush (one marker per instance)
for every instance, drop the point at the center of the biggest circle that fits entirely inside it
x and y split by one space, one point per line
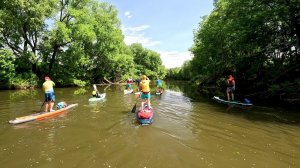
7 68
24 81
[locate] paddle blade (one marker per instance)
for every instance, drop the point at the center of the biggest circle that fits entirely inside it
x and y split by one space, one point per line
133 109
247 101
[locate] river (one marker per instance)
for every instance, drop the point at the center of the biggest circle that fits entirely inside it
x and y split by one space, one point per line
186 132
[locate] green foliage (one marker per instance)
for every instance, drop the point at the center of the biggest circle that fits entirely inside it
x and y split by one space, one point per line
174 73
24 81
22 25
68 40
147 62
256 41
7 68
274 88
122 66
182 73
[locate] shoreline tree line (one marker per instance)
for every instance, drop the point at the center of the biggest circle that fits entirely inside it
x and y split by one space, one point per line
257 41
76 42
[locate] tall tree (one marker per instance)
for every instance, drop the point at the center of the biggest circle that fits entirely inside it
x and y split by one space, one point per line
22 27
256 40
147 61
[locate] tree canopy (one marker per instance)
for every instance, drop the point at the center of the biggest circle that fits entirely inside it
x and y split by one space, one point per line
68 40
256 41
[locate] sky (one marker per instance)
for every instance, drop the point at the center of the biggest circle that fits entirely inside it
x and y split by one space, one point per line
164 26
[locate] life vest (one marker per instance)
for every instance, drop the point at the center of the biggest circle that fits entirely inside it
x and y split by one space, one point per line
94 92
144 84
230 82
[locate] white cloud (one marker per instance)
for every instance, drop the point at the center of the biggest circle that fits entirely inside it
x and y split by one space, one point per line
136 35
135 30
172 59
128 14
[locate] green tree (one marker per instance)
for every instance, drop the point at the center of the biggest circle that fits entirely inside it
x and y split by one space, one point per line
22 27
147 61
257 41
66 39
7 67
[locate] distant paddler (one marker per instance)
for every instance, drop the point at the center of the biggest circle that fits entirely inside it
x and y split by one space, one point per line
128 84
230 88
95 92
159 88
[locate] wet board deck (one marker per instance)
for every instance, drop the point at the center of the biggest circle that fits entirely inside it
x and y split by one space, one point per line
128 91
102 96
40 116
145 117
218 99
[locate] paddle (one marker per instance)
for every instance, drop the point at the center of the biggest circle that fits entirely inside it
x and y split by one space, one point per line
42 105
134 107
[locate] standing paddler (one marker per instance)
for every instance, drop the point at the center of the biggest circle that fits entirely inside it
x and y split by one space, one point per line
49 94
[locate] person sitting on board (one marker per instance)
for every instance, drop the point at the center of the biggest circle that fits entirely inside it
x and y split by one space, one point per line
128 84
95 92
230 88
158 85
49 94
145 89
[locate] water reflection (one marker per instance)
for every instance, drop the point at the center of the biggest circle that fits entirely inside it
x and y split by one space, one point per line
22 94
80 91
255 113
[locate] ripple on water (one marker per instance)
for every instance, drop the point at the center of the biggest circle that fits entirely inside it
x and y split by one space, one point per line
183 134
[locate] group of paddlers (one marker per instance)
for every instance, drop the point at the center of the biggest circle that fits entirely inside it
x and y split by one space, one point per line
142 86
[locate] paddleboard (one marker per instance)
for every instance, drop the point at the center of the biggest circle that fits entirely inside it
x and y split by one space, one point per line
40 116
128 91
218 99
145 117
102 96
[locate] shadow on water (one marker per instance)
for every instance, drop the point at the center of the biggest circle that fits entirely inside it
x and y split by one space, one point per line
255 113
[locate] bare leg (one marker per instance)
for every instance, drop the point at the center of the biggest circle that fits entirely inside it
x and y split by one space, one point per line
46 106
149 105
142 105
228 97
51 105
232 96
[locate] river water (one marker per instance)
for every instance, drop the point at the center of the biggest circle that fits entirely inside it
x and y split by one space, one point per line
186 132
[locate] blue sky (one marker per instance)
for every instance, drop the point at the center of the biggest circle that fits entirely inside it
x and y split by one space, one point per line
165 26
